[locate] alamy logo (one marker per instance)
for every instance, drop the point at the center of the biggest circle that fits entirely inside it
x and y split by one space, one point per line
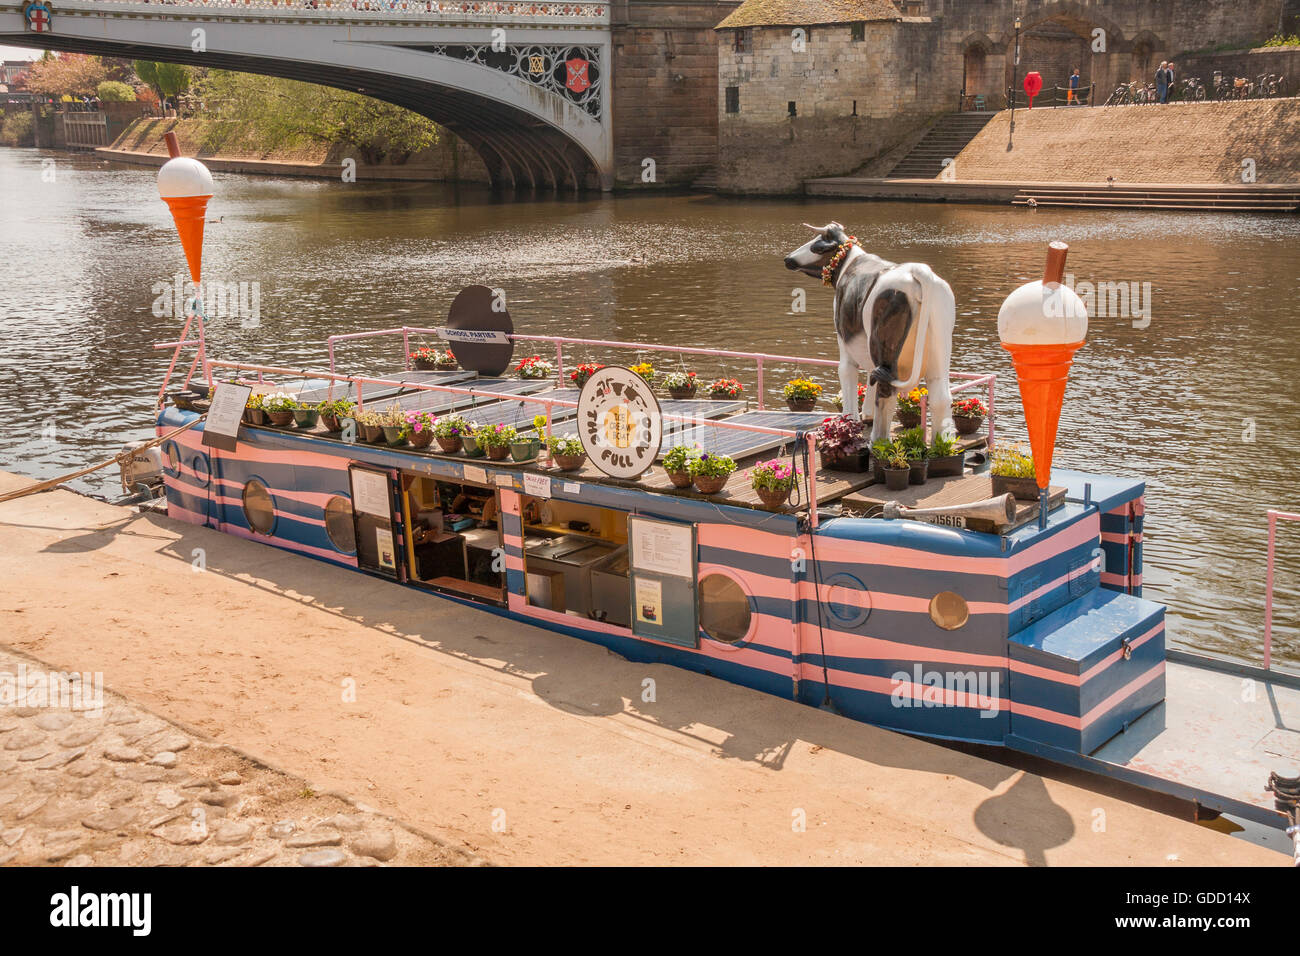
133 910
241 301
68 690
922 688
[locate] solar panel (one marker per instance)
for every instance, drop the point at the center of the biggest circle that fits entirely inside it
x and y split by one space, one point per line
518 414
441 402
690 408
317 390
740 444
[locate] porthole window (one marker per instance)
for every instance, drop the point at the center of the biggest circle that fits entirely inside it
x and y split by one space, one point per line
259 508
200 466
724 609
848 602
173 458
949 610
338 524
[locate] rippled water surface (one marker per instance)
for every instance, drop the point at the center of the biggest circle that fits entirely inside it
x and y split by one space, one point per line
1202 402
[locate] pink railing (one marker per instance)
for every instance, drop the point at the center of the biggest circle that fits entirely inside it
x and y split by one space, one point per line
1273 517
760 359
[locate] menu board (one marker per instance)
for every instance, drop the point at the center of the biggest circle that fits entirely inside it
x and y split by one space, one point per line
221 430
370 493
663 547
661 584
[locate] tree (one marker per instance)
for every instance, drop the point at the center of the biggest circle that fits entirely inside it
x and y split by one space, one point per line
111 91
76 73
167 79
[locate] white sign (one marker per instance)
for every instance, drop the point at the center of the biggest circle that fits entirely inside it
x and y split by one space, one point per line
475 474
384 545
370 493
662 547
224 415
572 488
619 422
473 335
505 481
539 486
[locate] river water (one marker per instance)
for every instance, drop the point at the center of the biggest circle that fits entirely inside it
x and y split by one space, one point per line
1201 400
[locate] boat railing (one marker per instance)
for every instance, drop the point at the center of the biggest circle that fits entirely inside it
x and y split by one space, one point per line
761 360
1274 516
359 382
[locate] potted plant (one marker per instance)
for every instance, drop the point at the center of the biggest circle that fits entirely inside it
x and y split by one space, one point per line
801 394
333 412
909 407
254 413
580 374
880 451
1013 471
946 459
444 360
495 440
773 480
450 431
898 470
535 367
839 400
372 427
677 462
306 416
279 407
709 472
525 447
472 447
841 443
568 453
680 385
645 370
394 425
726 388
912 441
419 429
968 415
425 359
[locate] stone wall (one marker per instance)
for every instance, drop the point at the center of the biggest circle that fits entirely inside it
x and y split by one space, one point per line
1284 61
852 100
665 90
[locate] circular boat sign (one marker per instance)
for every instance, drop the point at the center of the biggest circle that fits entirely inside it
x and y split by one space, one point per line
478 330
619 422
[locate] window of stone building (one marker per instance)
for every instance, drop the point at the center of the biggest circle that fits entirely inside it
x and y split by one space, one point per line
744 40
857 32
733 99
792 109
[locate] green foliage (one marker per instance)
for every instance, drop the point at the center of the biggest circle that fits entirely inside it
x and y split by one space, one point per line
168 79
284 112
570 447
679 458
1279 40
18 130
495 436
912 441
712 466
338 408
113 91
897 457
1010 461
943 447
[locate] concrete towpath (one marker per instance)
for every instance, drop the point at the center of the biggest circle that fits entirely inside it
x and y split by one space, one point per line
517 744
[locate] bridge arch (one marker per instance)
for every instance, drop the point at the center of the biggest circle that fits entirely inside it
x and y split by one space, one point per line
529 136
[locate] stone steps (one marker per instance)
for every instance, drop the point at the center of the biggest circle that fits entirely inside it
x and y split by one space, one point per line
945 139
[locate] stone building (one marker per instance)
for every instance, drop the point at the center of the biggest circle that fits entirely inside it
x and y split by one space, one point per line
811 88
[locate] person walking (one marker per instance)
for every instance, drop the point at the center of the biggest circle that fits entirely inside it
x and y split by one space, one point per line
1162 84
1169 82
1072 96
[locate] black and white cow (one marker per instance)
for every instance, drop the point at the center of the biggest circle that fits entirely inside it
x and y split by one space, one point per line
896 320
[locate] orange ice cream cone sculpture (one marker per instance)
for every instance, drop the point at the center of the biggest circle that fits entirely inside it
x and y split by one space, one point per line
1042 325
186 186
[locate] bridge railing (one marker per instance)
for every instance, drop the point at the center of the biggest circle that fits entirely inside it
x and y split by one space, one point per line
761 360
442 10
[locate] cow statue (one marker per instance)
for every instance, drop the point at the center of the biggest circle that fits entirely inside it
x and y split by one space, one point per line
896 320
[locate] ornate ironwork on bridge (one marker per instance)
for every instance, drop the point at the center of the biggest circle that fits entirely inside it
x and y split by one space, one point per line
572 72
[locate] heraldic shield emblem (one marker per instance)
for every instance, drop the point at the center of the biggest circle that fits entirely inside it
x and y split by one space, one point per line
37 17
576 78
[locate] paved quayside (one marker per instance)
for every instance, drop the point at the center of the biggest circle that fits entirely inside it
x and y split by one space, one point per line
518 744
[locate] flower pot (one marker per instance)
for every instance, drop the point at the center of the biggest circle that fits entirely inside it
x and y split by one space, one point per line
257 416
710 484
280 418
968 424
446 366
306 417
682 393
952 465
525 450
395 435
374 434
1023 489
422 439
331 423
857 461
773 498
722 397
801 404
680 479
472 447
569 462
878 471
425 365
918 471
450 445
908 419
897 479
498 452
